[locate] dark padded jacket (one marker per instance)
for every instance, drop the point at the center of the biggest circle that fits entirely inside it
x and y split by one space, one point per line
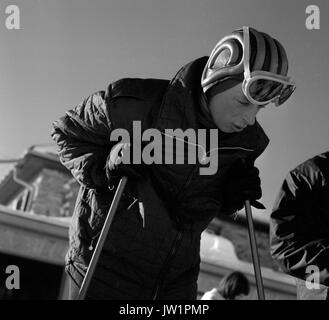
158 256
300 222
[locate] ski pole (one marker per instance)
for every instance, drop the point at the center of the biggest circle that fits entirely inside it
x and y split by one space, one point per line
254 252
101 240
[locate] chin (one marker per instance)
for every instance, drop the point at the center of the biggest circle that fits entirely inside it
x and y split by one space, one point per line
227 130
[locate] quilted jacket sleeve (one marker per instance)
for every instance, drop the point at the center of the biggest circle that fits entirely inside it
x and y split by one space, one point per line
83 139
298 234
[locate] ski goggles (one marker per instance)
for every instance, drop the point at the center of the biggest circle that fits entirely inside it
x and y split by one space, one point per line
263 87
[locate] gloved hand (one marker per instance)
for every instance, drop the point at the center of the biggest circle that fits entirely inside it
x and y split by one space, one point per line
243 184
118 164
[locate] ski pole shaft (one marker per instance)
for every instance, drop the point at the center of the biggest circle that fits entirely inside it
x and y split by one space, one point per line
254 252
101 240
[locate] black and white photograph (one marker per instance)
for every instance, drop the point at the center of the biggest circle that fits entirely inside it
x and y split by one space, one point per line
162 154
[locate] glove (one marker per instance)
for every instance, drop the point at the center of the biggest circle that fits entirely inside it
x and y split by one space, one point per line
243 184
118 163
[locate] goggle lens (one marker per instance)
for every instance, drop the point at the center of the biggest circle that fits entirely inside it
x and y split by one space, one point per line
266 91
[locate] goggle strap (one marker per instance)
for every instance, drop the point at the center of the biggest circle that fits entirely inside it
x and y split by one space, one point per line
246 52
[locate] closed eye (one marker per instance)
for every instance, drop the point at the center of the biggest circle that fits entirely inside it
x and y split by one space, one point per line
244 103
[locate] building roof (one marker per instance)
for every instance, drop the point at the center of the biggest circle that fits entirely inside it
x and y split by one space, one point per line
46 225
29 165
33 236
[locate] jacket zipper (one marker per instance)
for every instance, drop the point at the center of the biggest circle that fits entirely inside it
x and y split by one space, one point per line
166 264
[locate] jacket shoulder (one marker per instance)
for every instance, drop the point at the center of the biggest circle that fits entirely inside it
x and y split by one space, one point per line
315 170
137 88
134 99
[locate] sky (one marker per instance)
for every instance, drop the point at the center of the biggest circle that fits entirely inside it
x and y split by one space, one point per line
67 49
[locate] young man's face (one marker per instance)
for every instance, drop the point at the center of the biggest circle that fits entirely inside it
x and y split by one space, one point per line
231 111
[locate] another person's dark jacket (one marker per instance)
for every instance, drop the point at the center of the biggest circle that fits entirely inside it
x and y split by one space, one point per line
300 224
156 256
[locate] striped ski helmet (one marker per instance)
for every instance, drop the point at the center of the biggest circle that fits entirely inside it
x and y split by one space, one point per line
226 60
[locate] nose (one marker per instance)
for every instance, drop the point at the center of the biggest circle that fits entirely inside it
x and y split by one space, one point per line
250 116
